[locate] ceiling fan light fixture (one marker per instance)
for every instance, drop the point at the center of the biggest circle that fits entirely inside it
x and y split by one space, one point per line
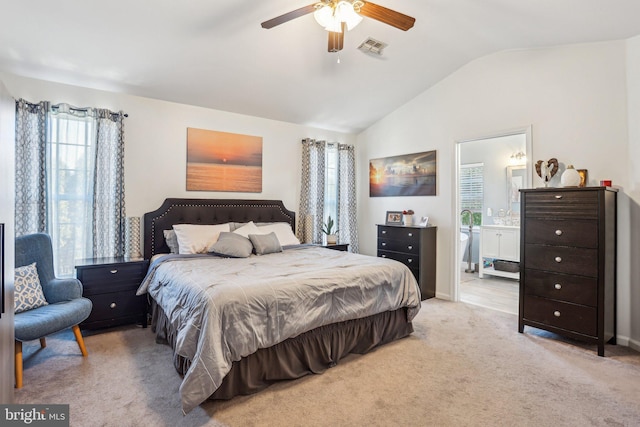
331 16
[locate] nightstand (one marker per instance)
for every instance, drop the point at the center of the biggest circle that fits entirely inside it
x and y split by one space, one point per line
111 284
337 247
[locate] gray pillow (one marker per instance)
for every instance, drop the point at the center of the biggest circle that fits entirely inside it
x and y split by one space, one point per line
265 243
232 245
172 241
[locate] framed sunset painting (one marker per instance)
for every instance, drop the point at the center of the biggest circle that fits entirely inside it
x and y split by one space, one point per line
222 161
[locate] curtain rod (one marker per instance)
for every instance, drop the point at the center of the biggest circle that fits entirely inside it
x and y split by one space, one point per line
83 109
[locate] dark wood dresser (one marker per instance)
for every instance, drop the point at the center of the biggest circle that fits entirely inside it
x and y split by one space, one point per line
568 263
416 248
111 284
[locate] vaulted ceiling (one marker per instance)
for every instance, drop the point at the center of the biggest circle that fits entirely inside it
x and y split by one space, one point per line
215 54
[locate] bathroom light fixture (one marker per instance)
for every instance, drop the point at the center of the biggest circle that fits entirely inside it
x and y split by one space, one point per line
518 158
332 14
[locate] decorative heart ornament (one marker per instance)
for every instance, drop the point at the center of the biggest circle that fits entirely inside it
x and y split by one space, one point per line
547 170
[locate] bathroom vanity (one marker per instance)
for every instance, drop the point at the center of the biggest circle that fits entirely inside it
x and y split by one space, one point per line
501 243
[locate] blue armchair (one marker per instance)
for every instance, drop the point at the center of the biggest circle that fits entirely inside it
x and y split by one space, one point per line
66 307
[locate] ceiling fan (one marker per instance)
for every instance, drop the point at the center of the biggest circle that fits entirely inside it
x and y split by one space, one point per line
336 16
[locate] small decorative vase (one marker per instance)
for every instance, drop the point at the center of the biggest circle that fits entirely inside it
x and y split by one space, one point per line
570 177
331 239
408 220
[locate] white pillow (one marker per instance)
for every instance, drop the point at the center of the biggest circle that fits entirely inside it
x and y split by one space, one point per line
28 291
196 238
283 232
248 228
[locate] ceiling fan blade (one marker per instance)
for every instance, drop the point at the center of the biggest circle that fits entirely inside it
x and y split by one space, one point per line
289 16
336 40
388 16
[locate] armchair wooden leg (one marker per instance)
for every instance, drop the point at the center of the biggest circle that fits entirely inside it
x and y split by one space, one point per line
43 342
78 334
18 355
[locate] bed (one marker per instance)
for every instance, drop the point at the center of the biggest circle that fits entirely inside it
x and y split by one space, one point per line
238 324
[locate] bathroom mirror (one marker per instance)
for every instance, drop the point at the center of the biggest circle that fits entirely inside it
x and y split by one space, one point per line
516 179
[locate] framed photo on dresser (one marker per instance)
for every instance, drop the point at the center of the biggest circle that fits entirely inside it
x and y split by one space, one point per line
393 218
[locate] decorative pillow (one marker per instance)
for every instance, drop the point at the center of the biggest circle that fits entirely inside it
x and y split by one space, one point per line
196 238
248 228
283 232
28 291
172 241
232 245
265 243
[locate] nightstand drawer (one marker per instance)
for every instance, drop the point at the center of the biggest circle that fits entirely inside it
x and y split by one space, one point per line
578 233
562 259
571 317
115 308
562 287
112 277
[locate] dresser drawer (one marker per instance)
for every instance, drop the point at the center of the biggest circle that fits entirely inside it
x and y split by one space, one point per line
562 204
112 306
562 259
578 233
562 287
571 317
409 260
385 244
407 235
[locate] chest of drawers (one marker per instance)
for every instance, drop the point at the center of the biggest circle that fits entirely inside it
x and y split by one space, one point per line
111 284
568 261
416 248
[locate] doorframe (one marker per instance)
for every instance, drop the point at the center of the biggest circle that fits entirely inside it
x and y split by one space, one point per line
455 233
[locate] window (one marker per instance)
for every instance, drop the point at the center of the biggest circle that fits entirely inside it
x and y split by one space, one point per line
70 154
472 191
331 184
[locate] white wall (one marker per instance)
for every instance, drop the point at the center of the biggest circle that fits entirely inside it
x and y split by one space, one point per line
155 143
575 98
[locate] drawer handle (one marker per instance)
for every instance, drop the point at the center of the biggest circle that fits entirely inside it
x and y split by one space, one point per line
558 232
410 234
384 243
558 259
112 305
410 260
409 247
556 313
384 231
113 271
558 196
557 286
383 256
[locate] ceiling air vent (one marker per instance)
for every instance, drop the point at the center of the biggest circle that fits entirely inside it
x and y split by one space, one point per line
373 46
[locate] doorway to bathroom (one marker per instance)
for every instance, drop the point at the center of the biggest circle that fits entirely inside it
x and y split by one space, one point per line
490 172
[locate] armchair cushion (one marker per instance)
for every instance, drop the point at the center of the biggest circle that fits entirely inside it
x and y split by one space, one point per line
28 291
45 320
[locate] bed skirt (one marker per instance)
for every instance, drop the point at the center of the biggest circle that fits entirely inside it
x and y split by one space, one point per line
311 352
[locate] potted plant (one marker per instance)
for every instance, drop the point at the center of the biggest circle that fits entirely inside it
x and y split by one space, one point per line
408 217
329 231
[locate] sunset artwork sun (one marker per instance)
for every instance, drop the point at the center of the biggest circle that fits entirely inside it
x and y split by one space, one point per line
222 161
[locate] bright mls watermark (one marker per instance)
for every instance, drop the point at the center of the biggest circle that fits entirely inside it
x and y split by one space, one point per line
34 415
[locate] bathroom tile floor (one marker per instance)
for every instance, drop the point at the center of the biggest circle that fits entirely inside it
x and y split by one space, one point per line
492 292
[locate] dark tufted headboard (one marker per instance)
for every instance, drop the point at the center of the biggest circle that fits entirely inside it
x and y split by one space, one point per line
208 211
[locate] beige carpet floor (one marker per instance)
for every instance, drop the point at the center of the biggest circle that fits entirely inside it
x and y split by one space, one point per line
463 366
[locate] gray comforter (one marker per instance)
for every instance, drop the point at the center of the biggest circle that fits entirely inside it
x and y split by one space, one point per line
227 308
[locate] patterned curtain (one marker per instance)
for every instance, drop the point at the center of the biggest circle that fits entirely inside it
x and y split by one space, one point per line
31 179
108 185
70 164
311 208
347 215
